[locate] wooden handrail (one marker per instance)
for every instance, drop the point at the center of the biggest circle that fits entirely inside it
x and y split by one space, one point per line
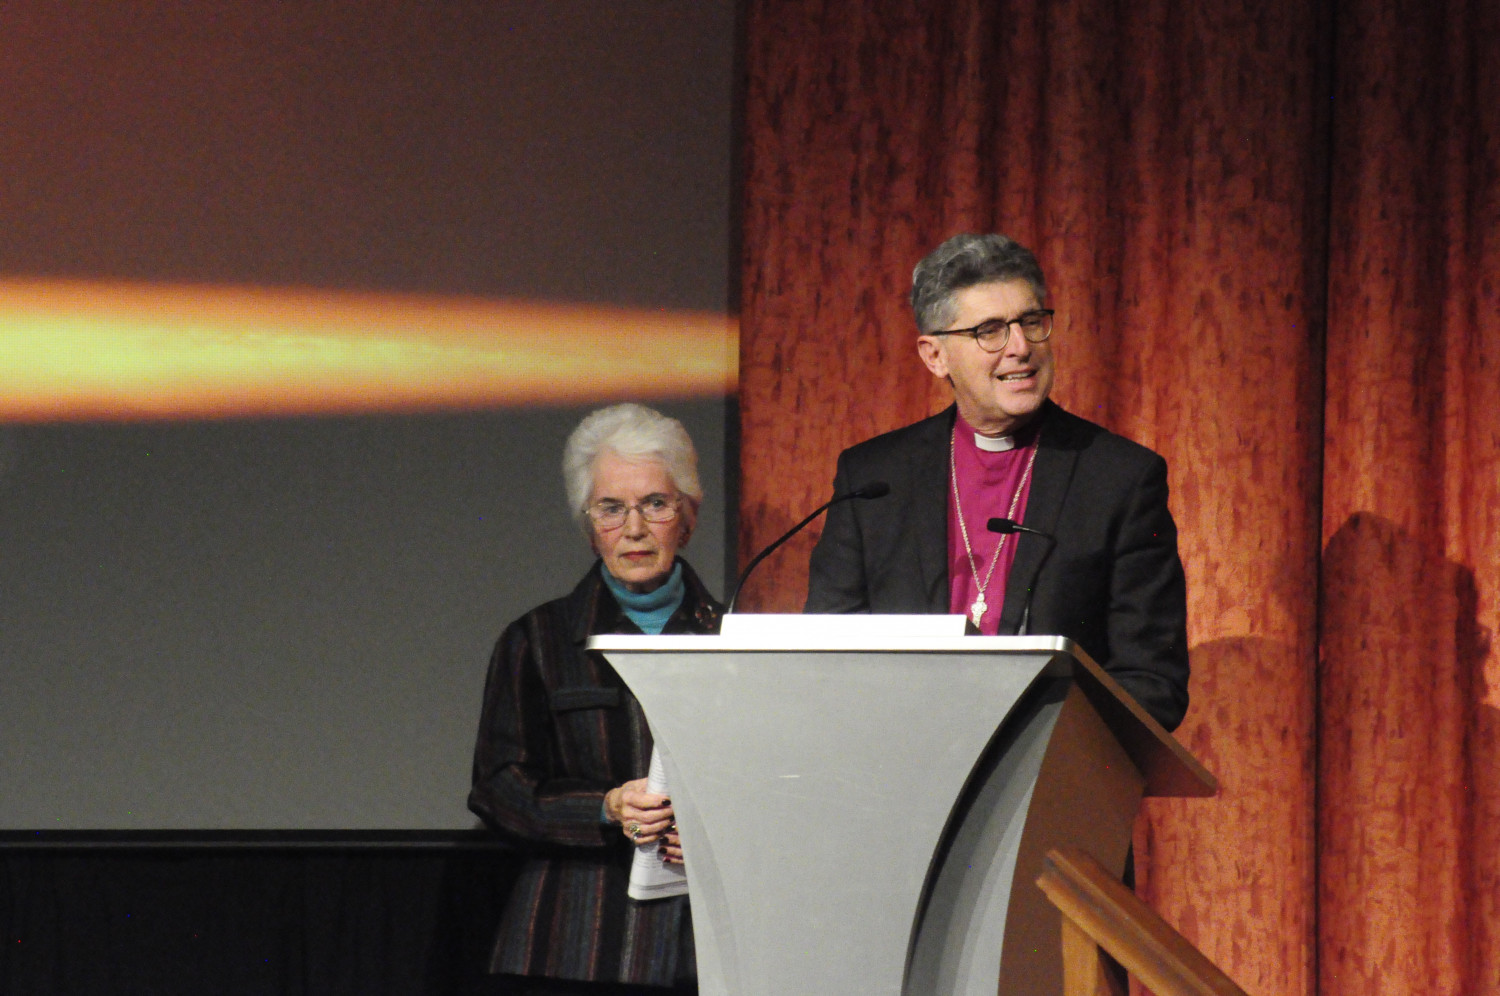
1099 912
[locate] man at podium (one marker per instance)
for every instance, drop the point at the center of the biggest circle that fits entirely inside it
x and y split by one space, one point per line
1086 547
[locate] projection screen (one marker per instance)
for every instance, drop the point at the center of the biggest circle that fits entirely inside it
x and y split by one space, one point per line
298 303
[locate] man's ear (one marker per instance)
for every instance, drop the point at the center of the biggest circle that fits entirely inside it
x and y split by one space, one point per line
933 355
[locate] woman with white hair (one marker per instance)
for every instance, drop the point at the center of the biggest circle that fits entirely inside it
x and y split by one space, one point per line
563 749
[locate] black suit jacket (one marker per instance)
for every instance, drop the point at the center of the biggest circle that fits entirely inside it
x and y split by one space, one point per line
1112 581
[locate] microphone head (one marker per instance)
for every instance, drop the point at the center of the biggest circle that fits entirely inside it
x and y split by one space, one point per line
875 489
1004 526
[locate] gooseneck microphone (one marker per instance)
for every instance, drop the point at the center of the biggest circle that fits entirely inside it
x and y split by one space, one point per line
874 489
1007 526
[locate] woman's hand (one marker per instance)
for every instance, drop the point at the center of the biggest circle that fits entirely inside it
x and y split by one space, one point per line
643 816
670 847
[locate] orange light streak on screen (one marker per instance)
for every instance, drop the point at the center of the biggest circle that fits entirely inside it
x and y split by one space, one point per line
73 350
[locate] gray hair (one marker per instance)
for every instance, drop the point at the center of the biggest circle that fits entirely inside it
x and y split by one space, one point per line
964 261
634 432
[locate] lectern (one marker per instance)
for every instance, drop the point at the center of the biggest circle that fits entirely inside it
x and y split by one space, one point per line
868 815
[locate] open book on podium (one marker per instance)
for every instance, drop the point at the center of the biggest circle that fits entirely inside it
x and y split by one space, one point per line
865 801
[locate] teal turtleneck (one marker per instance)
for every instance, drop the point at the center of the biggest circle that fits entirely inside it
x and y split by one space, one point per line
649 610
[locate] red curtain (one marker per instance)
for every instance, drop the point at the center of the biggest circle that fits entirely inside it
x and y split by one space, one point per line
1272 231
1408 851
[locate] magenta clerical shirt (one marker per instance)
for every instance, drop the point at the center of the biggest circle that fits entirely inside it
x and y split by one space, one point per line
988 482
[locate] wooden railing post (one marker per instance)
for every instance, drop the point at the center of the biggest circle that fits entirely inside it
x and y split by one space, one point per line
1084 971
1099 912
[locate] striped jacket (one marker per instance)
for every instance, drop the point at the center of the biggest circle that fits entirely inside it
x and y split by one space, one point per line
558 730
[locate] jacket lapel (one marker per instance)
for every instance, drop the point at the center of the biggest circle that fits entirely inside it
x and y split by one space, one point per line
1051 477
929 490
588 606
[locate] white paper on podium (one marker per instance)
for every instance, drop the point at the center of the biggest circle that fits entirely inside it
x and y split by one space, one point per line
814 629
650 876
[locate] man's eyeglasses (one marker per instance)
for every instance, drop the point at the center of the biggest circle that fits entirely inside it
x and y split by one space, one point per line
992 335
610 514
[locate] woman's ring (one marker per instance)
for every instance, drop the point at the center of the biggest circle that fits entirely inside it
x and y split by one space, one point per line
633 828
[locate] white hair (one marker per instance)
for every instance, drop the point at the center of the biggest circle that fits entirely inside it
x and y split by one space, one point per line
633 432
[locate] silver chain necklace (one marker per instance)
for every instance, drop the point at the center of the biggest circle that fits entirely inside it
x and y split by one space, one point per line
980 607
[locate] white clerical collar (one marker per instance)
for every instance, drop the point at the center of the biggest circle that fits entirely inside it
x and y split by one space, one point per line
994 444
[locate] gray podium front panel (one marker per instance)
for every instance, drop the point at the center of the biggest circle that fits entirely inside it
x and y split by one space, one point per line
816 793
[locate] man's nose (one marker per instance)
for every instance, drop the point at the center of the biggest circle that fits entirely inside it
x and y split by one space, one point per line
1016 343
